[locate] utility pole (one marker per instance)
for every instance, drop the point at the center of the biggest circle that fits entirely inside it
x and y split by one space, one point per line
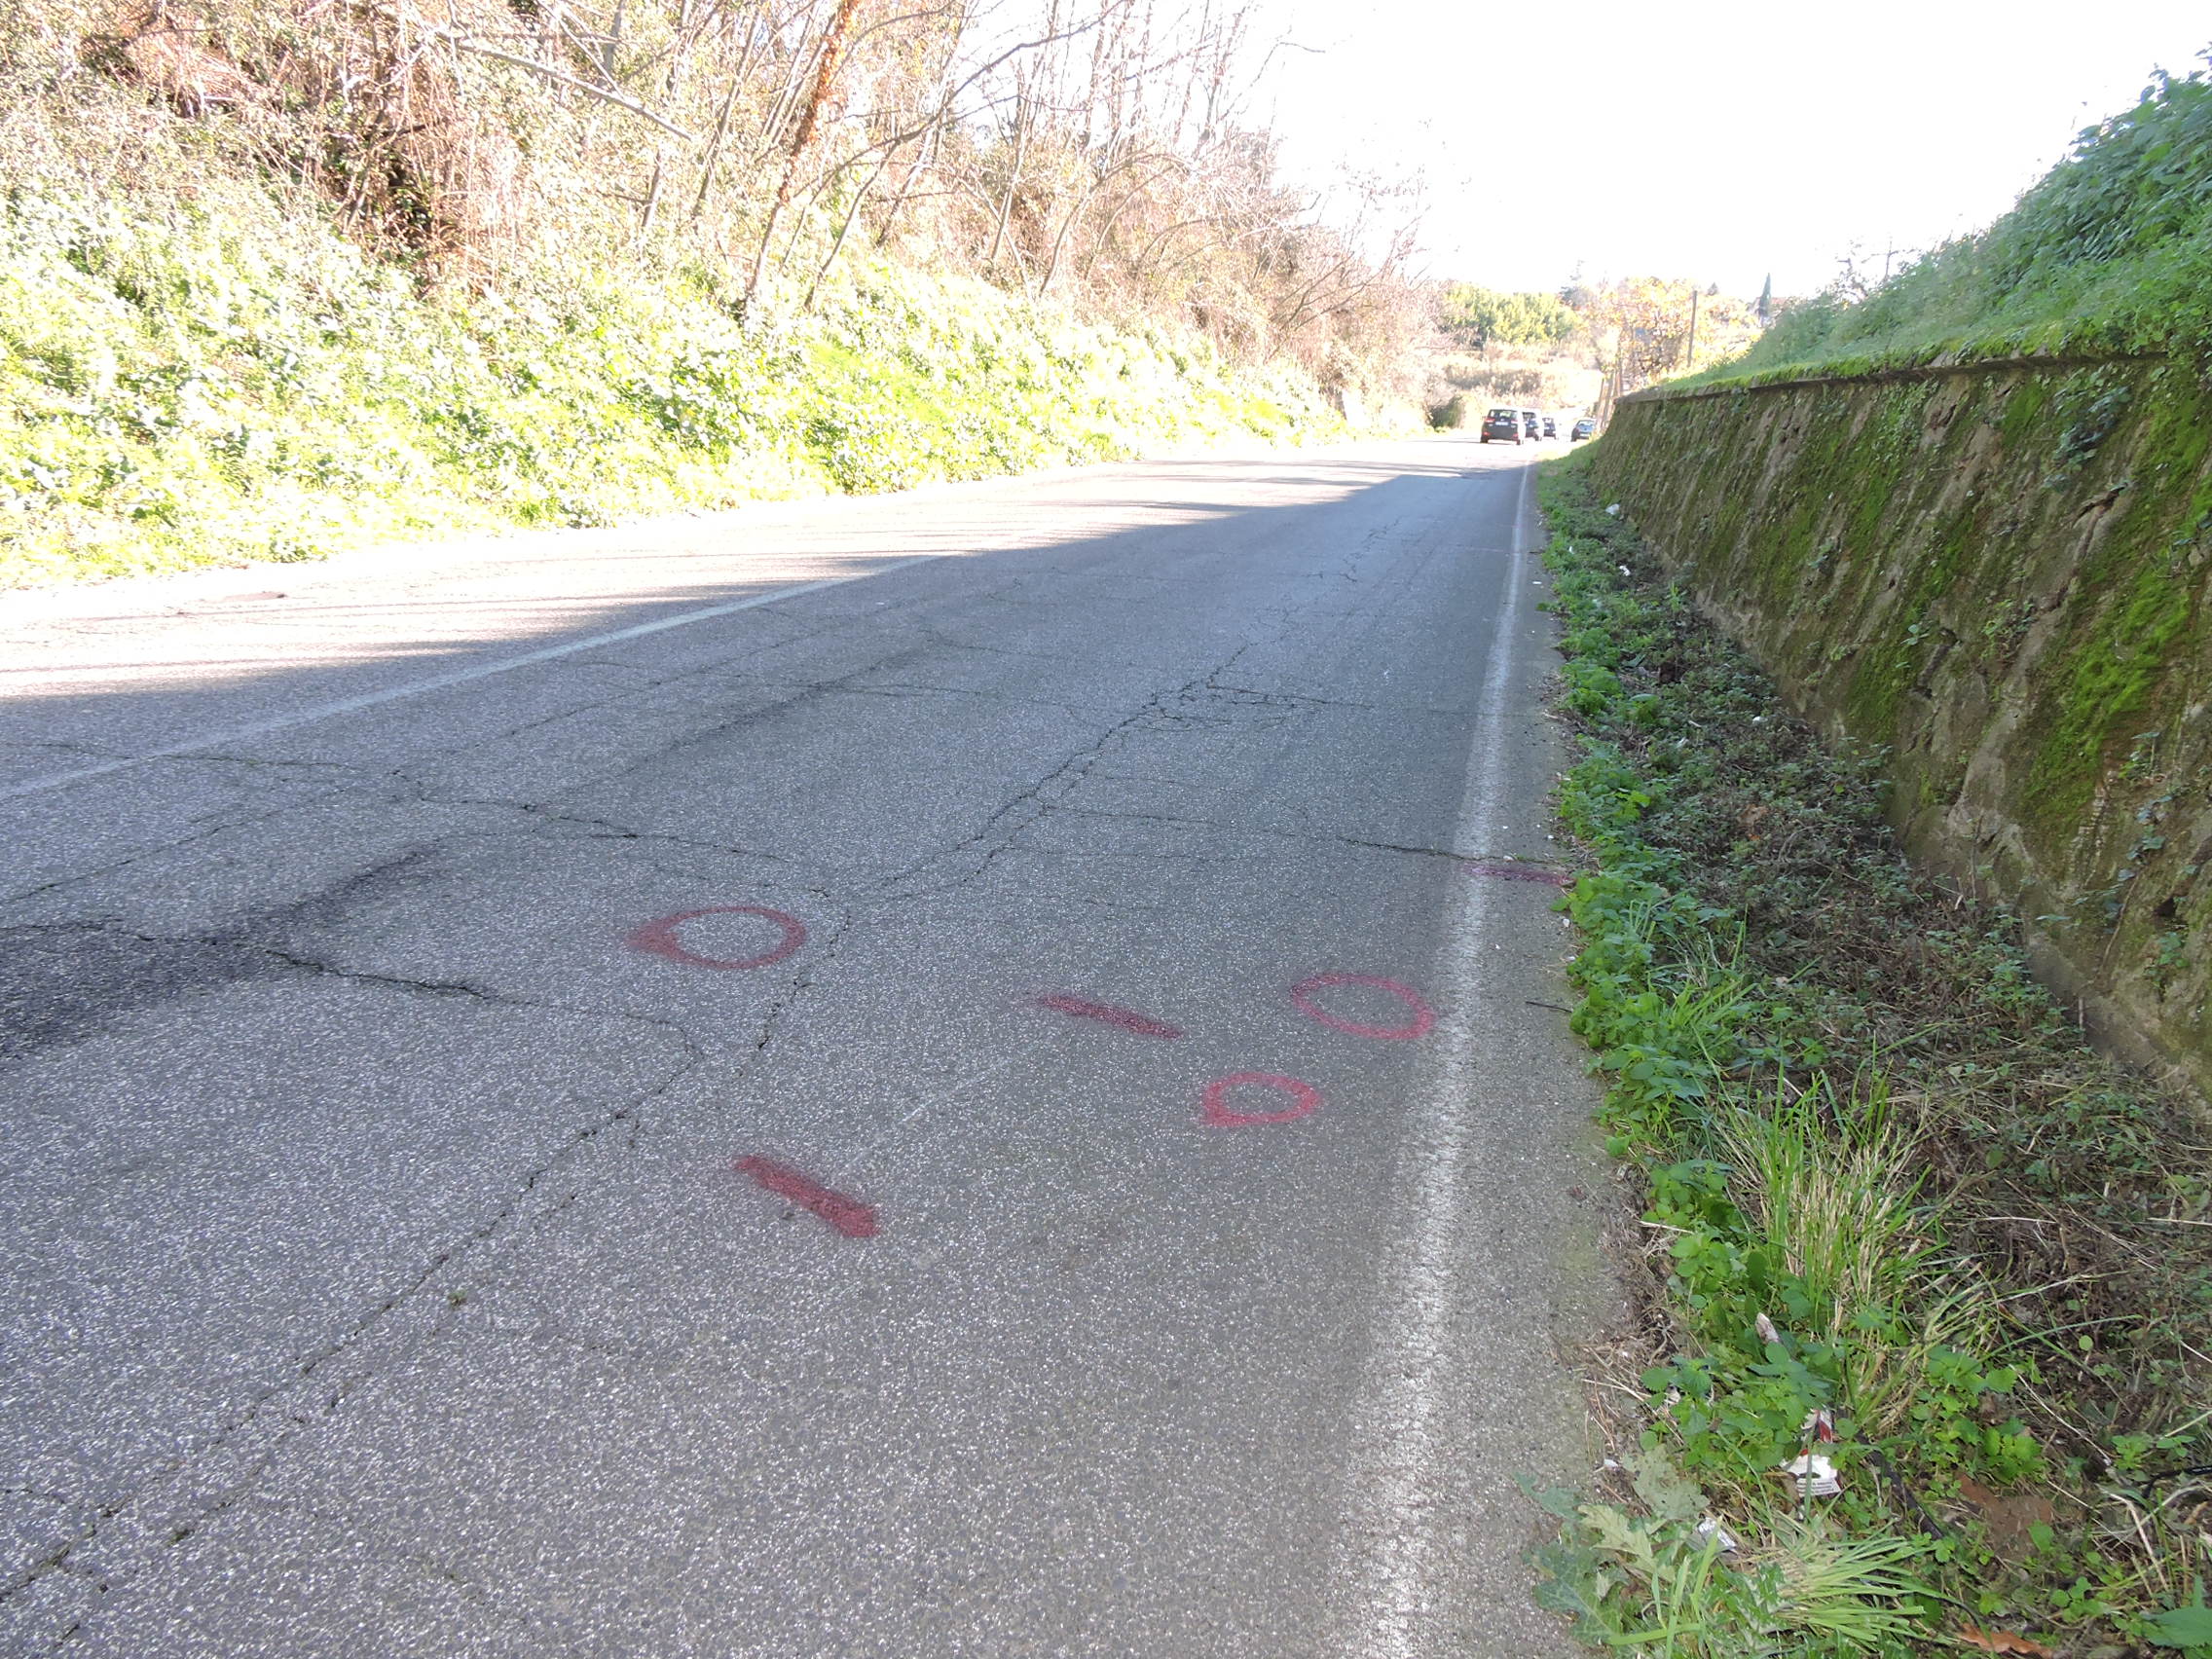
1689 358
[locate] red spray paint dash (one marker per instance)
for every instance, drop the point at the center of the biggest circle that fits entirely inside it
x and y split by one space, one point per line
1127 1019
660 938
849 1216
1522 872
1305 1100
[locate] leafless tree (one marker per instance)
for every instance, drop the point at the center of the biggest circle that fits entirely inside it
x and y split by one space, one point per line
1099 151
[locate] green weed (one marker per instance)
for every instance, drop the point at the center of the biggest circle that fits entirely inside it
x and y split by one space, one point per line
1904 1218
1660 1576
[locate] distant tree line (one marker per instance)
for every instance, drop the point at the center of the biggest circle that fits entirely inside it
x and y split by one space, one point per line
1478 318
1628 332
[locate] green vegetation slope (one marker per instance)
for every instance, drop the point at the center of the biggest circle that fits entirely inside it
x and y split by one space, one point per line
1965 523
1903 1219
2110 254
276 277
240 381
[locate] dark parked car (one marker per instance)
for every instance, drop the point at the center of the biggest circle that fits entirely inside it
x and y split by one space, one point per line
1503 425
1550 430
1583 429
1533 423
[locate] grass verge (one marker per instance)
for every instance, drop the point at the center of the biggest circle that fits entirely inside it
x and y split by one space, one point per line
1899 1220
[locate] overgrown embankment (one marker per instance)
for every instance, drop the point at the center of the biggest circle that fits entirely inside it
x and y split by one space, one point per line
279 277
1995 576
230 380
1904 1227
1966 522
1908 1230
2110 256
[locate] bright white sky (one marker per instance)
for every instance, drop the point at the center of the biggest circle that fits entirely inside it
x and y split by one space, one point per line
1718 140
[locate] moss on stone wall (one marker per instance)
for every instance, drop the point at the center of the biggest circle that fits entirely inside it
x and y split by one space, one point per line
1997 576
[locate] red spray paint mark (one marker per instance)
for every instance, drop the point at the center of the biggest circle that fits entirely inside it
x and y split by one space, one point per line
1522 872
1305 1100
1127 1019
849 1216
1424 1016
660 939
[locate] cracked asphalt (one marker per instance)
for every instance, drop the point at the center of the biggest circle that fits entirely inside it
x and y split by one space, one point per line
379 1279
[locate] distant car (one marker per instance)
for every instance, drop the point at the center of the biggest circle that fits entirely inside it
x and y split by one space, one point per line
1583 429
1503 425
1550 430
1533 423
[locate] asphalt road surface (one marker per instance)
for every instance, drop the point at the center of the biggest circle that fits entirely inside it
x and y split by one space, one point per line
958 1074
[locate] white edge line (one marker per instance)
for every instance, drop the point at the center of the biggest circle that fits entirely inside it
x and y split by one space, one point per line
1390 1533
458 677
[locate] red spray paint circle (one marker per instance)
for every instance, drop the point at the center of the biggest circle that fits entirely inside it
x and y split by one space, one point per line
1305 1100
660 939
1423 1020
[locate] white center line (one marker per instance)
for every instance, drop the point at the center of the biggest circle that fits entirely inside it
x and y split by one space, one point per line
457 677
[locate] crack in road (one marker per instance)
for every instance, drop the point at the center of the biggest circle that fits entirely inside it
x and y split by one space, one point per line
198 834
595 828
303 1368
997 841
247 951
710 753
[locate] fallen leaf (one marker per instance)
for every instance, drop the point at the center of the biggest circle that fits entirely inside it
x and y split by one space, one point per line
2004 1642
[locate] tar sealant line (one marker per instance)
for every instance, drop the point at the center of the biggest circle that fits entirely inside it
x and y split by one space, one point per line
1385 1552
456 676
